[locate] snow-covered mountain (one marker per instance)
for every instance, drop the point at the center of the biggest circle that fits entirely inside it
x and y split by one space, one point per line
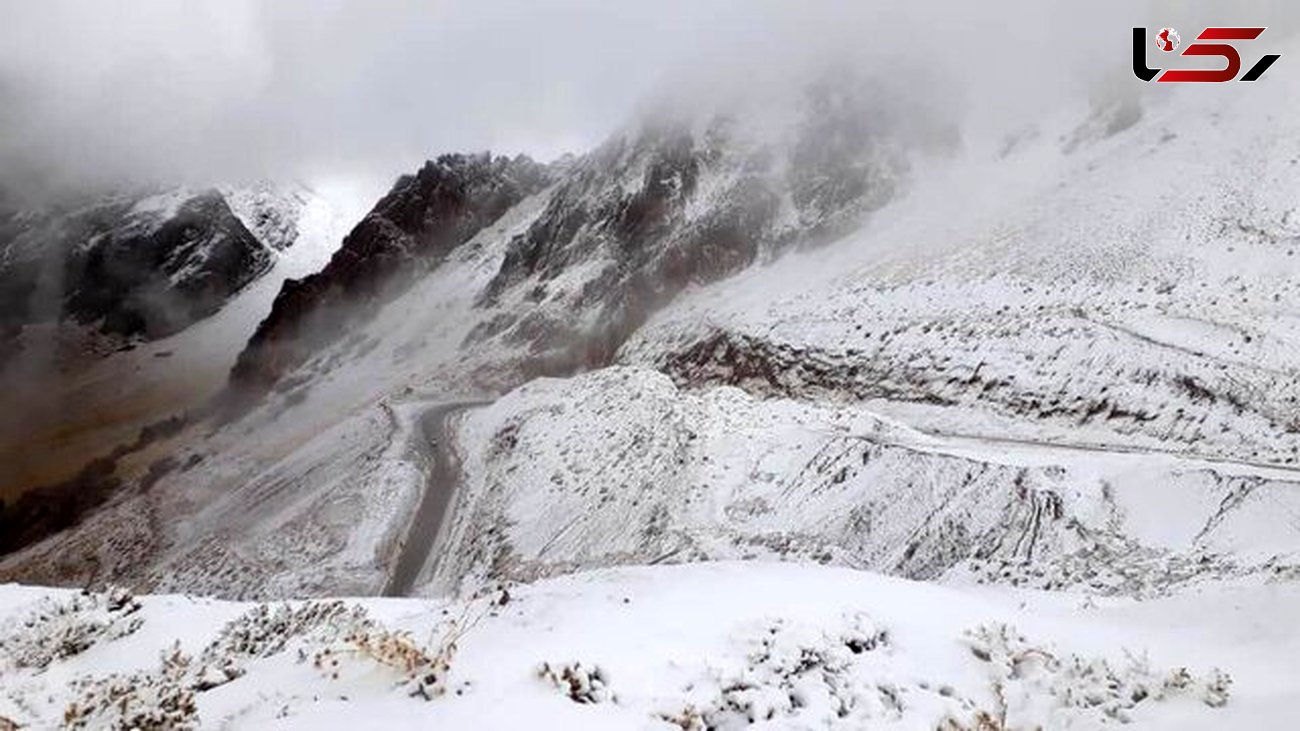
82 392
674 200
1042 298
410 231
127 265
142 264
1044 370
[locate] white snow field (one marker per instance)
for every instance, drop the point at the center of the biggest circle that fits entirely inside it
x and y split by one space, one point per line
720 645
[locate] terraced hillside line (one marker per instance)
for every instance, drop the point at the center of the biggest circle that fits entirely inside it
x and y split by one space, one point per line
432 440
1082 446
1233 416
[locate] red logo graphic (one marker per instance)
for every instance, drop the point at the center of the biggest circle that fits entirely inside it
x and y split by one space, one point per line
1167 40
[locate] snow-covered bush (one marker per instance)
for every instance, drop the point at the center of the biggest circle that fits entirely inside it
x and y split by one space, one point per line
164 698
795 670
687 719
1036 687
798 673
161 700
422 670
580 684
266 630
60 628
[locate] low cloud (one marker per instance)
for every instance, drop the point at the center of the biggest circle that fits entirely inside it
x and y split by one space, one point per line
96 92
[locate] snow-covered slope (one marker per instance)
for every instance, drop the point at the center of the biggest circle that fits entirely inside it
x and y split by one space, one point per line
725 646
66 413
1140 291
621 467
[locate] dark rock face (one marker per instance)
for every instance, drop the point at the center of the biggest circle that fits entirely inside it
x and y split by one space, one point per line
16 284
668 207
408 232
648 248
127 266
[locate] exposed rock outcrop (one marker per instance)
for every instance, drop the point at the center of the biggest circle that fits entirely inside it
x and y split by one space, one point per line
125 265
676 203
412 228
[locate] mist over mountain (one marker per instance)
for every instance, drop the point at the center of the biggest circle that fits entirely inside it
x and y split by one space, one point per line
245 90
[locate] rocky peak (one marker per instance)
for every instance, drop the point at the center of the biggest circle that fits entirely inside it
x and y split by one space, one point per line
410 230
681 201
127 265
270 210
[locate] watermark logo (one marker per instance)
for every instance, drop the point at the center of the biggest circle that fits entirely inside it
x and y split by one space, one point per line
1168 40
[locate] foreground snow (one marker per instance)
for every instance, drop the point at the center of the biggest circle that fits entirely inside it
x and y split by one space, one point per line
721 644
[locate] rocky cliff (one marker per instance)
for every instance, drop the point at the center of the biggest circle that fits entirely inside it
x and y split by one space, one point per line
128 266
409 231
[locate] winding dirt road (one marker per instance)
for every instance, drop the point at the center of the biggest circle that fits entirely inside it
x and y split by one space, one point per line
442 472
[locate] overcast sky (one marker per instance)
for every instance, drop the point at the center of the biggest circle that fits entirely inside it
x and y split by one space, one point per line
225 89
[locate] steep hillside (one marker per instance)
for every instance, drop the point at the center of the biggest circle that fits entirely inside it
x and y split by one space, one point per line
677 199
683 201
621 467
1139 291
410 231
1042 366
